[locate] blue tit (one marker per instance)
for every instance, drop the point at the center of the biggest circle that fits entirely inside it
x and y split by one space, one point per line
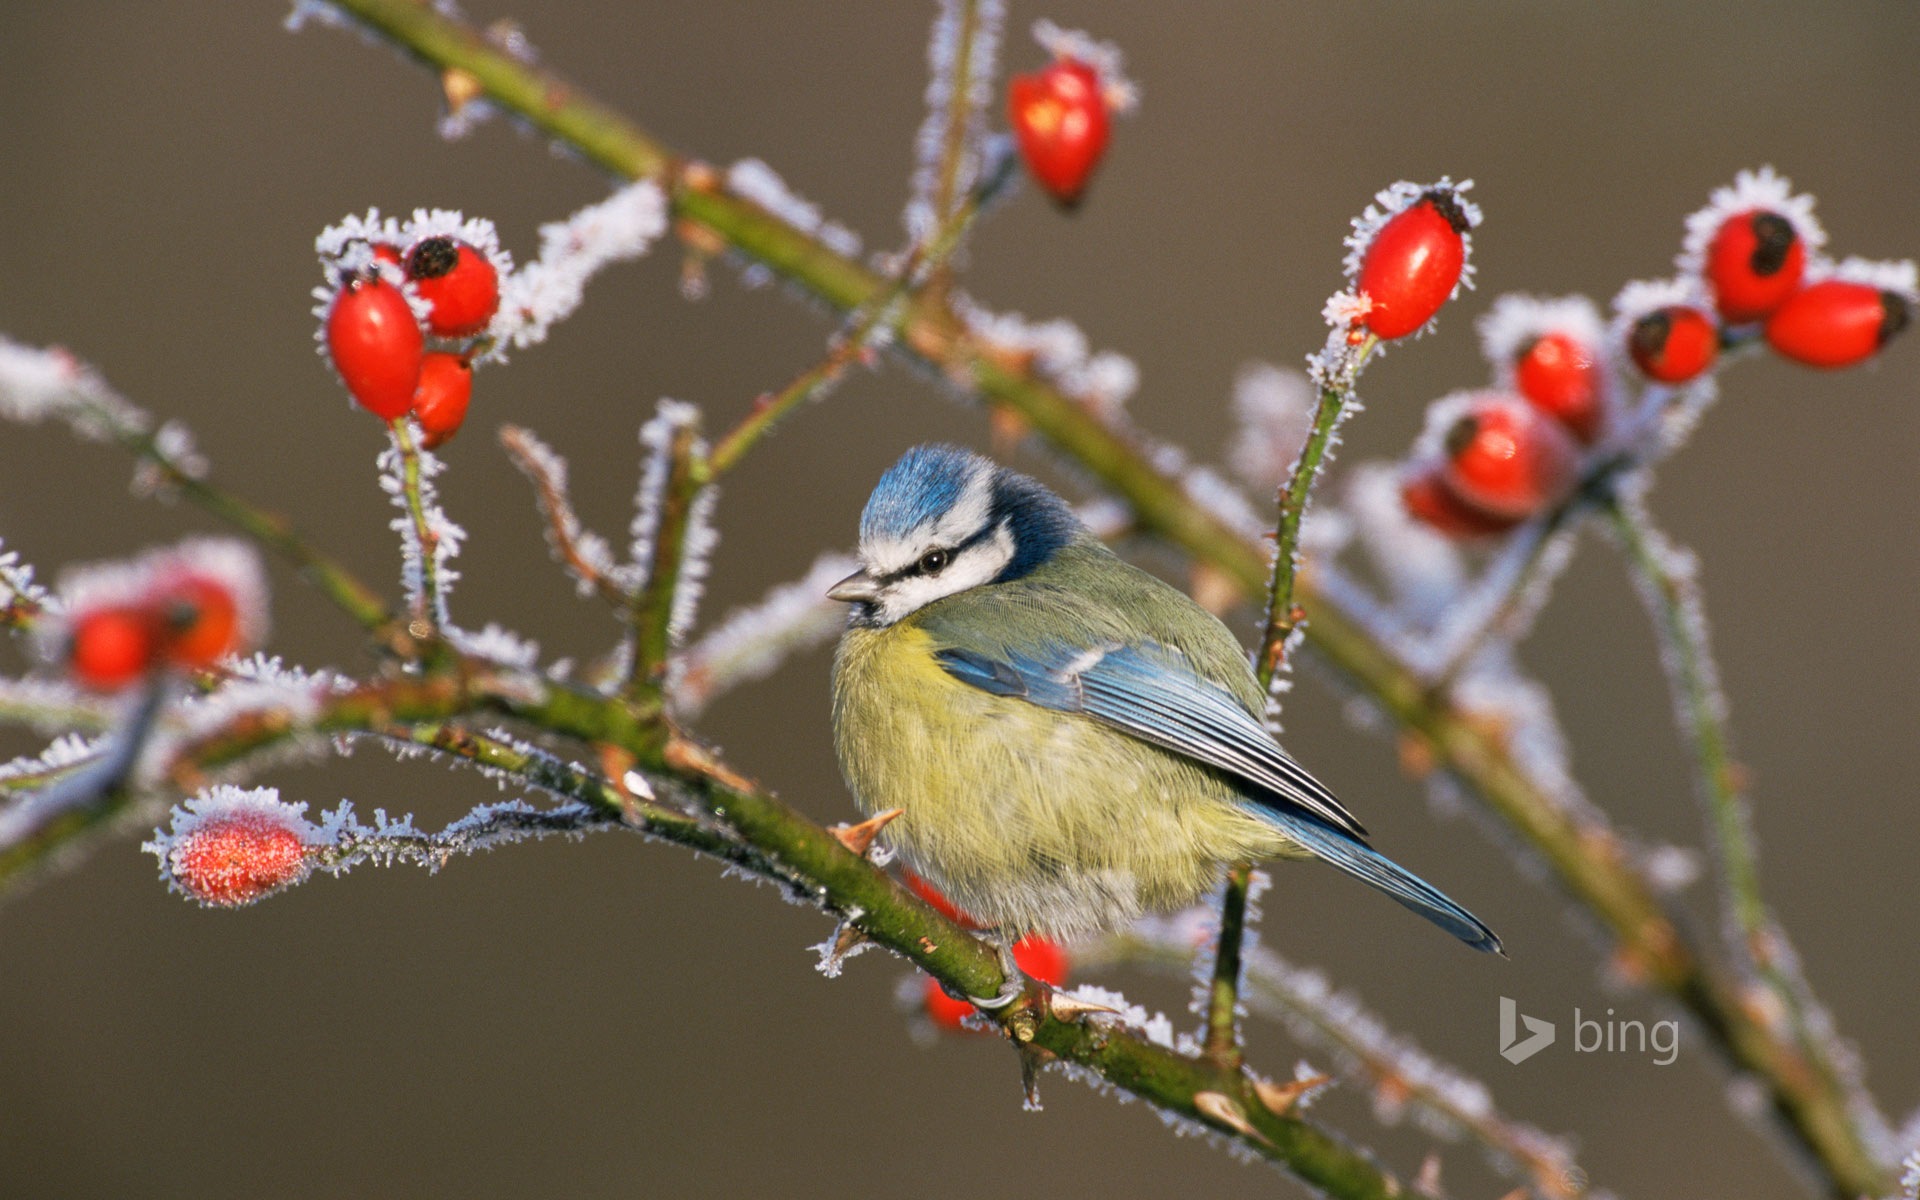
1073 742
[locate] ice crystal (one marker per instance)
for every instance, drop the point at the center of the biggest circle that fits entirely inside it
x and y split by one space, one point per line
1121 94
622 227
1764 190
416 574
751 179
50 384
944 54
1059 350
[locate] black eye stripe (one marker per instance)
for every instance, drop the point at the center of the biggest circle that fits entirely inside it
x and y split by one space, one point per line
953 553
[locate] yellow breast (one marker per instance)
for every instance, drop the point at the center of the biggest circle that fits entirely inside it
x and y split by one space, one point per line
1027 818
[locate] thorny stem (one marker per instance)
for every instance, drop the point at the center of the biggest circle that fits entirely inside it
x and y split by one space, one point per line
652 614
954 143
1222 1042
1673 599
423 620
553 500
1585 854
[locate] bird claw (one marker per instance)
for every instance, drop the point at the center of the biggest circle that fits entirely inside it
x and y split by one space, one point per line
859 838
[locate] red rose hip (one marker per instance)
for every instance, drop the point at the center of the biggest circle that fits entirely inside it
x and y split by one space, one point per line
235 859
1753 264
1558 375
1429 500
440 402
201 620
1673 344
376 345
1837 323
1413 263
109 648
459 284
1059 118
1508 458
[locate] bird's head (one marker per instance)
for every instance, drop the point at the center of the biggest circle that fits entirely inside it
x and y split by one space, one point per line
942 520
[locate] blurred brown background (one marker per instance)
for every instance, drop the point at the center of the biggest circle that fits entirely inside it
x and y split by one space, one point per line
613 1019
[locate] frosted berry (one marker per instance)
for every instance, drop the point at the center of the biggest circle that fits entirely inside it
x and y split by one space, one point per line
1508 458
1059 117
457 282
1753 264
237 858
200 621
1837 323
109 648
1674 344
1558 375
376 345
440 402
1413 263
1430 501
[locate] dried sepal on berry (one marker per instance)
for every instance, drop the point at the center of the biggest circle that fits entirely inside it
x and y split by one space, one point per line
1411 252
229 846
1667 328
1552 352
460 285
1847 317
1751 245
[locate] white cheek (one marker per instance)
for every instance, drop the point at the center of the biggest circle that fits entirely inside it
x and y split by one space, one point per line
977 565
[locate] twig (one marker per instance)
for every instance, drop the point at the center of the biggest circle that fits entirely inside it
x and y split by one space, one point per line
653 604
588 560
425 603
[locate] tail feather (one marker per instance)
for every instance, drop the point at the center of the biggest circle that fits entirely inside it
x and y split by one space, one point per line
1390 877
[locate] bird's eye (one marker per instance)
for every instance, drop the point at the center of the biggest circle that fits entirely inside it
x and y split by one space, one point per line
933 560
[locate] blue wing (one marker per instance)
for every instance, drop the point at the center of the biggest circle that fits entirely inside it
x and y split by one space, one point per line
1153 693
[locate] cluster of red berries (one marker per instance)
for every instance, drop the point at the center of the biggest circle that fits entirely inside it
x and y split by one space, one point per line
1751 270
1040 957
230 847
378 339
1758 266
183 609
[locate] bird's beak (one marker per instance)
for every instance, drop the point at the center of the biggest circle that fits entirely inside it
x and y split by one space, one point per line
857 588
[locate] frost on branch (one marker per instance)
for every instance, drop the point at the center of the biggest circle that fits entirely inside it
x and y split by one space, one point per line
1103 381
586 555
751 179
50 384
20 597
620 228
946 49
673 420
750 643
429 540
